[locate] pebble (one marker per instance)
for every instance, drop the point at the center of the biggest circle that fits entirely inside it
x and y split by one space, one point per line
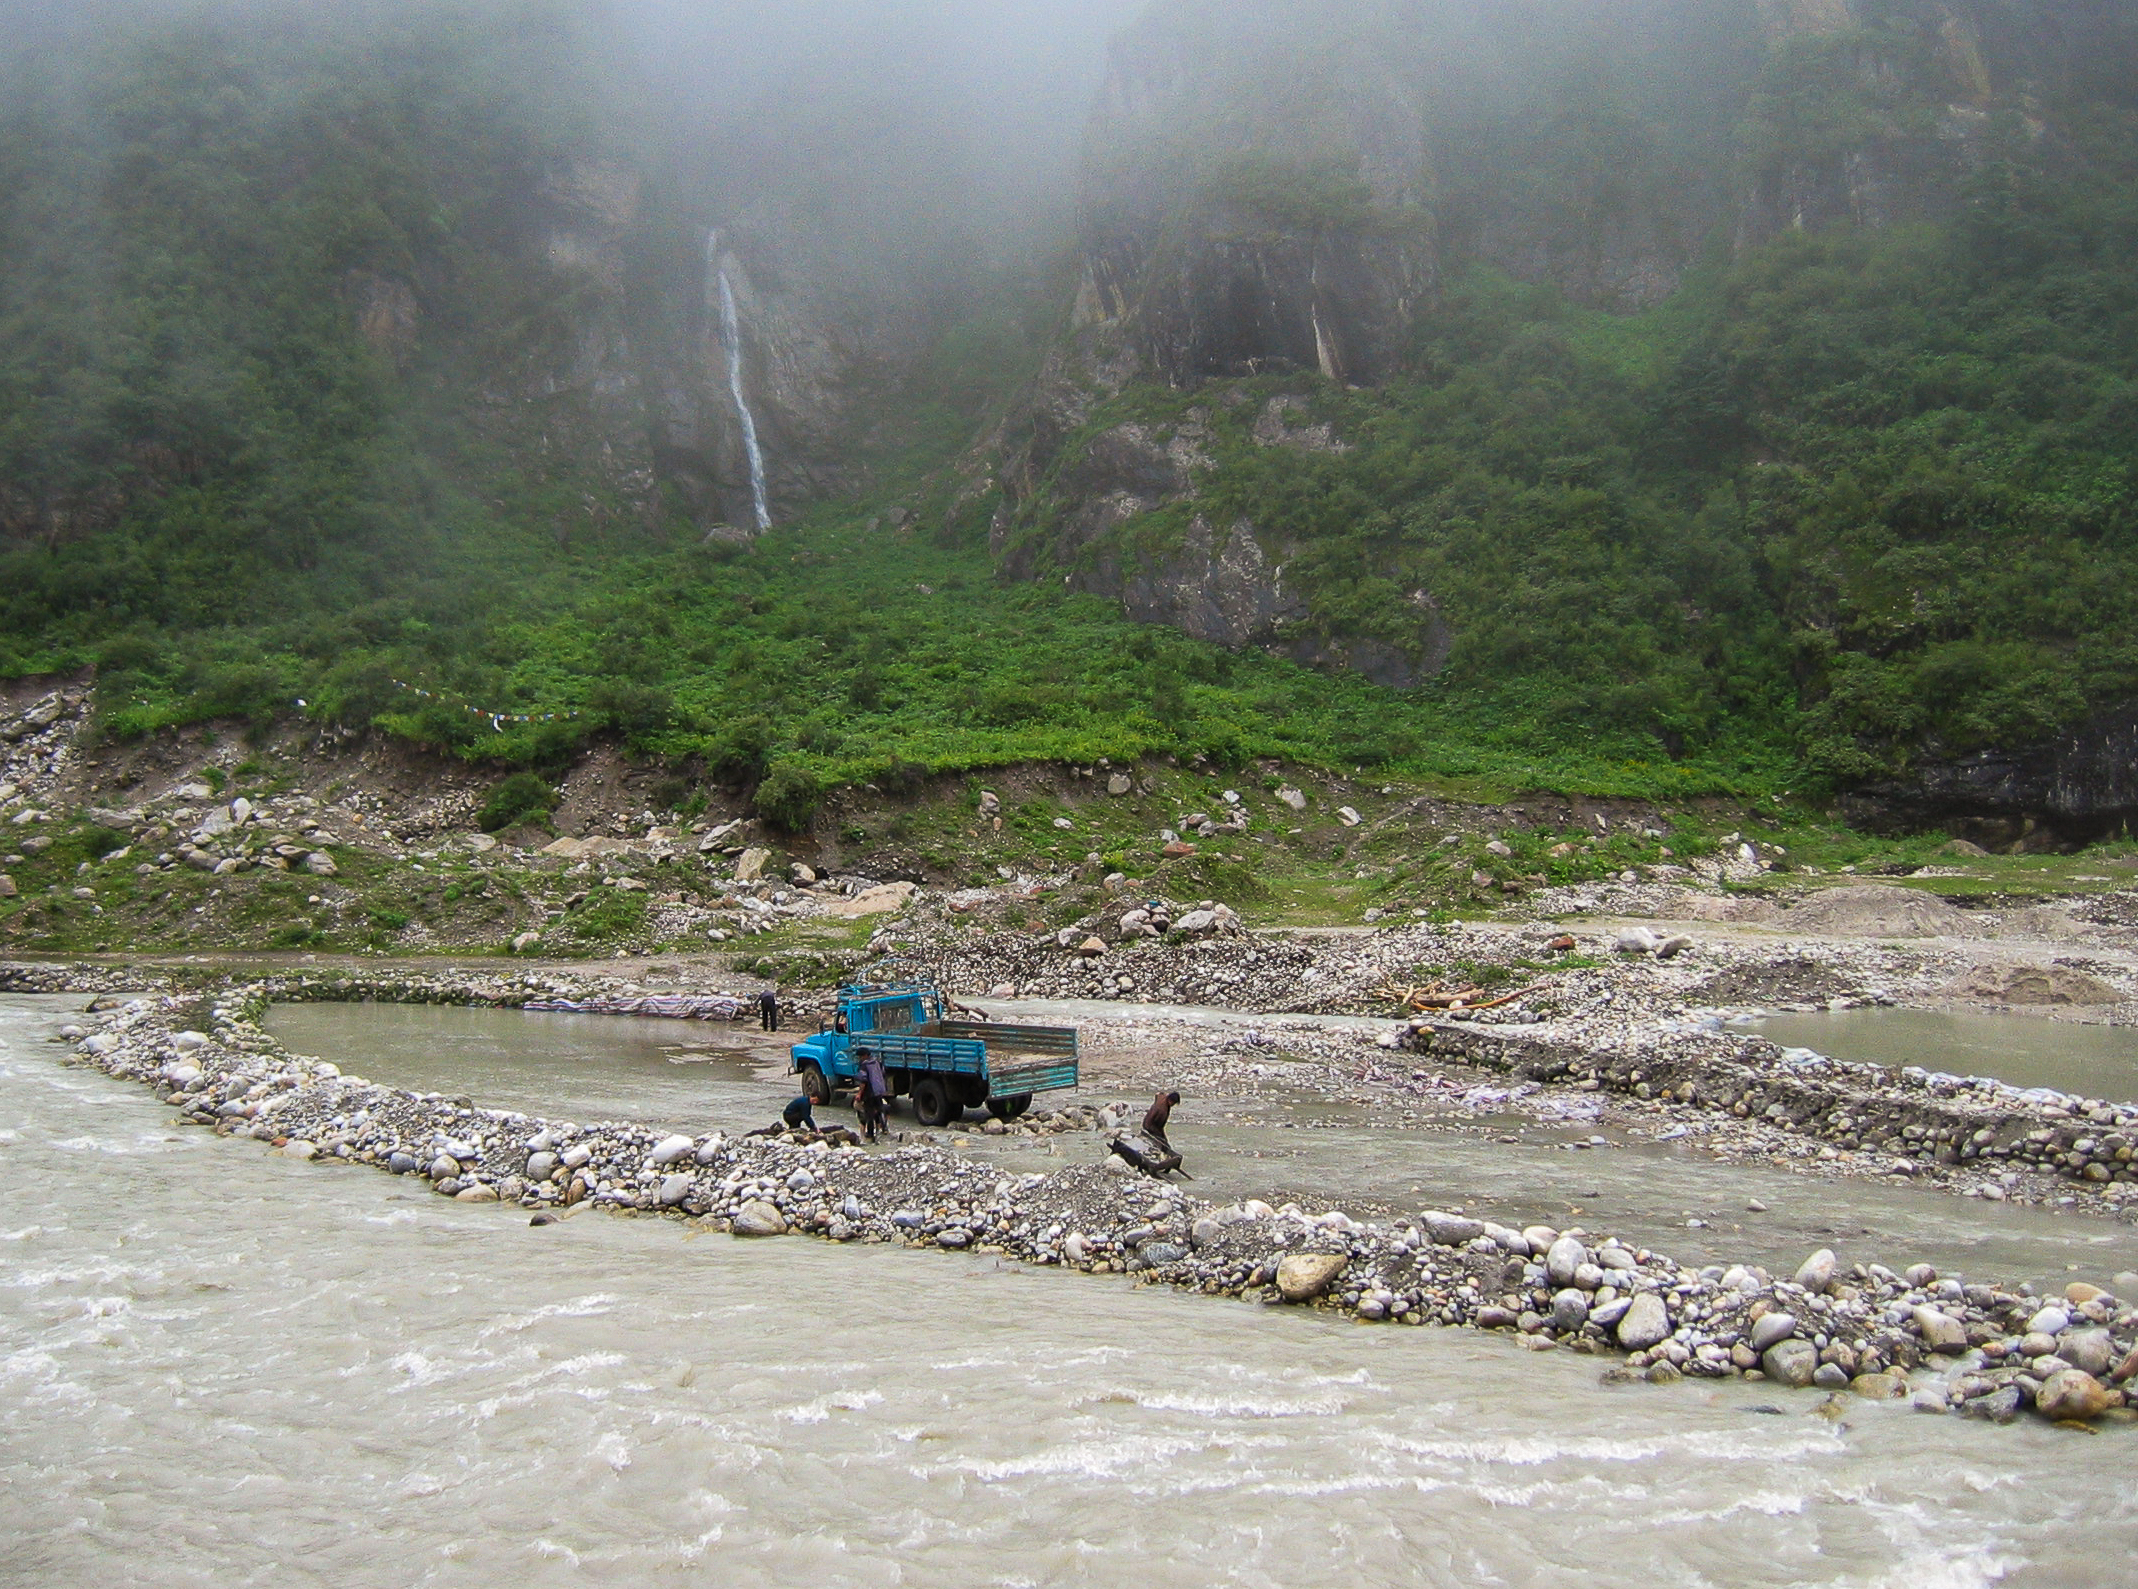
1645 1323
1302 1276
1570 1311
1940 1331
2071 1393
1791 1362
1770 1328
2092 1350
670 1149
1816 1273
759 1218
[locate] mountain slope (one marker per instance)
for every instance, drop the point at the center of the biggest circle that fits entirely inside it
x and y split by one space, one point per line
1696 369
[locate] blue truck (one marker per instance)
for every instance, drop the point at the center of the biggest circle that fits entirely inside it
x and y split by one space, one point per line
944 1065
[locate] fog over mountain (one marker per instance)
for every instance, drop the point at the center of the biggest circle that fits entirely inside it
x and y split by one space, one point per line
1747 381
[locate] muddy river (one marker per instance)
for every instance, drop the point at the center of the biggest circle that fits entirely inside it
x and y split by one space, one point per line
220 1366
2025 1050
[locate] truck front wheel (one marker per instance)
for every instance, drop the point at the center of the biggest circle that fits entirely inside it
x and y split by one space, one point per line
814 1087
1011 1107
931 1101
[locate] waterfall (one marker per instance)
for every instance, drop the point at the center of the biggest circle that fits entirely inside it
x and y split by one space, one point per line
720 294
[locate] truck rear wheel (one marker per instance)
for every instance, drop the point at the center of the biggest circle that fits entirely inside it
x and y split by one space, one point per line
1011 1107
814 1087
931 1101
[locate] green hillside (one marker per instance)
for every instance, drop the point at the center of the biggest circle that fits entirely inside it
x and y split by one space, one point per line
1847 499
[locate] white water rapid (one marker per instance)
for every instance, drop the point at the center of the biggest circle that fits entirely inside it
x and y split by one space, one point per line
720 296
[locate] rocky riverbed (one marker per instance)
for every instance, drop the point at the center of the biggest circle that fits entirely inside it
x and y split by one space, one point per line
1948 1341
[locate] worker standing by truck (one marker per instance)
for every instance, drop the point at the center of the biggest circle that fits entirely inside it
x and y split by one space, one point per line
873 1101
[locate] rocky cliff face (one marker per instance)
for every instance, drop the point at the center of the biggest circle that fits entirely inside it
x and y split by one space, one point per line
2076 788
1277 188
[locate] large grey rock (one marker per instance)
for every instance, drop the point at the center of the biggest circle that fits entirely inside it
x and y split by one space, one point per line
1565 1256
1770 1328
540 1166
1999 1406
759 1218
1570 1310
320 864
1791 1362
1941 1332
444 1168
674 1188
1646 1323
2049 1321
1816 1273
752 865
1302 1276
2091 1350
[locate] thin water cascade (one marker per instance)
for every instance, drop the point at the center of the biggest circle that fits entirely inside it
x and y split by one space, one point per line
718 289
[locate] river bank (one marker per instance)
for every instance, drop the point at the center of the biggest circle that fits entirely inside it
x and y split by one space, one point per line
1943 1340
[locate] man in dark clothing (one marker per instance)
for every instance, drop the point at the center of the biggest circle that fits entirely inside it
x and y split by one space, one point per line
1155 1118
873 1100
768 1009
799 1114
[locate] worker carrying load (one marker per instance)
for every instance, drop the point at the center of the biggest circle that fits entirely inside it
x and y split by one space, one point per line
1148 1149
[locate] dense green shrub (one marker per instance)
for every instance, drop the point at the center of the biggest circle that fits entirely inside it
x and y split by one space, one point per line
789 796
521 797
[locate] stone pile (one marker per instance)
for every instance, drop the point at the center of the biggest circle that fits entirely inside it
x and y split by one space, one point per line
1867 1328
